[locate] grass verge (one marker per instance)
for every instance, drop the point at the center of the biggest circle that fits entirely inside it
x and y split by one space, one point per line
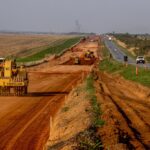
56 49
89 140
97 122
105 51
128 73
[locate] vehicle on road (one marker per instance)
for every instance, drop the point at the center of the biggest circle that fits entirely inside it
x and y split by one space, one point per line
109 38
140 59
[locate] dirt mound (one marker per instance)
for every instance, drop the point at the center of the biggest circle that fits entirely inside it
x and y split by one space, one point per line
125 112
71 119
82 61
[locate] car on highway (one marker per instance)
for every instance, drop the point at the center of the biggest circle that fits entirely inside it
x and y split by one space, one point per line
109 38
140 59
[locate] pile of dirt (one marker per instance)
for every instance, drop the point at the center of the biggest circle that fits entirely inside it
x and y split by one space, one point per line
72 119
82 61
126 108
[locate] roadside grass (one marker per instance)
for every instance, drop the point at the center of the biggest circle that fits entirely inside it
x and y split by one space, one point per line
148 59
56 49
97 122
105 51
89 140
128 73
65 109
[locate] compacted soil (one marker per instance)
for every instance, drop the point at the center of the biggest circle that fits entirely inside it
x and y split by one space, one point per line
126 112
25 121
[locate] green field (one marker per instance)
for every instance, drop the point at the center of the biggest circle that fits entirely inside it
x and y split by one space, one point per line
55 49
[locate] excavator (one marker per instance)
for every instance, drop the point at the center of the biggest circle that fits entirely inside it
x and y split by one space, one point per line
87 58
13 79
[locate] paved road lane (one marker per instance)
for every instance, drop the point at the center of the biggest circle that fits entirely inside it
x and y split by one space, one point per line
118 54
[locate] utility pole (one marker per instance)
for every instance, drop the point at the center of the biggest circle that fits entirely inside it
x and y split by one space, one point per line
78 26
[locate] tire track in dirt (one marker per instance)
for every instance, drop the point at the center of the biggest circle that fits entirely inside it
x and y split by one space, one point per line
117 124
134 122
129 109
54 99
138 110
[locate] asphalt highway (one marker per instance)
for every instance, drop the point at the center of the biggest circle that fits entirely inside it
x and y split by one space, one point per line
118 54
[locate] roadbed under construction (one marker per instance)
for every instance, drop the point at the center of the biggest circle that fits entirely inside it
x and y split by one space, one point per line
125 105
25 121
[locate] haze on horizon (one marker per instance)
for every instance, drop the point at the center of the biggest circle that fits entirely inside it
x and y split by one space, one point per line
98 16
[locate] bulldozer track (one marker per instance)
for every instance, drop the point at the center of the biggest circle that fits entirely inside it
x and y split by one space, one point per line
137 133
132 114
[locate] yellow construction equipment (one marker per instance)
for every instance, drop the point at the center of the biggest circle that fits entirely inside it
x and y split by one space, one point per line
13 80
89 55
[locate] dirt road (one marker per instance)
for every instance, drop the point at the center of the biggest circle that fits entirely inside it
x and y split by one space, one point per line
126 108
25 121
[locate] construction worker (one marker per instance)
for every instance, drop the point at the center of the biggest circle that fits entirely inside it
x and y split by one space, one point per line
110 56
126 60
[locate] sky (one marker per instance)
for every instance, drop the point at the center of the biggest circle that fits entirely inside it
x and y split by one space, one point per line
100 16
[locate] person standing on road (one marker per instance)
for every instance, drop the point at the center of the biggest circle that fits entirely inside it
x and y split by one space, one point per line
110 56
126 60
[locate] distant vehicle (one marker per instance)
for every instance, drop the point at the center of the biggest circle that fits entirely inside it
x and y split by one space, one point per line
109 38
140 59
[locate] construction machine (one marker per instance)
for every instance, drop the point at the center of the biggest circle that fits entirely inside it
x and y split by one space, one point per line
89 55
13 79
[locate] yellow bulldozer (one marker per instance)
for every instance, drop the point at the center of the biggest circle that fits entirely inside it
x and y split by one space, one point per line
13 79
89 55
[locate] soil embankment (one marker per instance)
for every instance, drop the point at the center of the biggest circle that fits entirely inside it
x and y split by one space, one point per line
126 108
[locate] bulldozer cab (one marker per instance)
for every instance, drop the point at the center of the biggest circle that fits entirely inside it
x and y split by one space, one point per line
2 62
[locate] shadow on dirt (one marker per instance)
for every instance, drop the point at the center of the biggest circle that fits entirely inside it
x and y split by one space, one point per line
81 61
37 94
